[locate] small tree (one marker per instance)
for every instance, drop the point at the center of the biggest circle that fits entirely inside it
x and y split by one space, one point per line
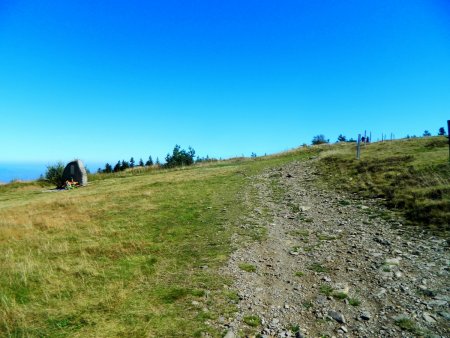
141 163
132 162
149 161
319 139
441 131
108 168
124 165
54 174
157 162
426 133
341 138
180 157
117 167
253 155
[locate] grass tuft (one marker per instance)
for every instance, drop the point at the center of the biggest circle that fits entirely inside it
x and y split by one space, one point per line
247 267
339 295
252 321
326 290
318 268
354 302
407 324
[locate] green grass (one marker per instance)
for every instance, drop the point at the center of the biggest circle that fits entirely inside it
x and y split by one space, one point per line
299 274
344 202
318 268
300 233
339 295
413 176
307 305
247 267
326 290
252 321
354 301
408 325
127 255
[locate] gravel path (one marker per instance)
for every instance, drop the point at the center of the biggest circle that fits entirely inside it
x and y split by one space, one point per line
334 265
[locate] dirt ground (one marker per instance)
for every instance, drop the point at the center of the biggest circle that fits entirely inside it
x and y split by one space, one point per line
334 265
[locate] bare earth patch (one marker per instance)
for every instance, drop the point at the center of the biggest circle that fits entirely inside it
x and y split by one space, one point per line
332 264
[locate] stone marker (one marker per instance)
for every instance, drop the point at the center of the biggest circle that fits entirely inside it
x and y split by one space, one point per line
75 170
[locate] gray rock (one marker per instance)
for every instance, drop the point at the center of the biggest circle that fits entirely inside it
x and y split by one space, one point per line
382 241
75 171
437 302
393 261
444 314
365 315
337 316
428 318
230 334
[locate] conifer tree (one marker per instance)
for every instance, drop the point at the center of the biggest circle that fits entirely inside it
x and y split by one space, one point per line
124 165
341 138
141 163
131 162
149 161
108 168
117 167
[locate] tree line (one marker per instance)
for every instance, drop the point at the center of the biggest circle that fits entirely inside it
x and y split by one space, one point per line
179 157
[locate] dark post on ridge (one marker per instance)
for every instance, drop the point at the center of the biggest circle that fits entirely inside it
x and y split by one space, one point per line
358 147
448 134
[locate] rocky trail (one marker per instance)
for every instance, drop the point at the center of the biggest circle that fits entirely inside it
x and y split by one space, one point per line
333 264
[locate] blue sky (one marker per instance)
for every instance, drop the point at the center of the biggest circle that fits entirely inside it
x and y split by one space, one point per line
107 80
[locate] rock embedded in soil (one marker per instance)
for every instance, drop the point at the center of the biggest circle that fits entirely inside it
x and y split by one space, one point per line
337 316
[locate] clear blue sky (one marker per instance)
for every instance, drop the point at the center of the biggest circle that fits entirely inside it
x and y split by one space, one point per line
107 80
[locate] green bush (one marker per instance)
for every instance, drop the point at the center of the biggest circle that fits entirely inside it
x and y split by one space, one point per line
180 157
54 174
319 139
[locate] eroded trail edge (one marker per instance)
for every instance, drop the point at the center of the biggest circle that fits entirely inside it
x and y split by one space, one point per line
331 264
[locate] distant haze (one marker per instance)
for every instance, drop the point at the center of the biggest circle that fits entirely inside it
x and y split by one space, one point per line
29 171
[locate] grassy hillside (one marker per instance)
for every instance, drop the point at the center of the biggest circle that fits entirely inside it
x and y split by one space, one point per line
413 175
138 253
133 254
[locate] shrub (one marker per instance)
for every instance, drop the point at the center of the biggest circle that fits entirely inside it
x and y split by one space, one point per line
341 138
319 139
54 174
180 157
